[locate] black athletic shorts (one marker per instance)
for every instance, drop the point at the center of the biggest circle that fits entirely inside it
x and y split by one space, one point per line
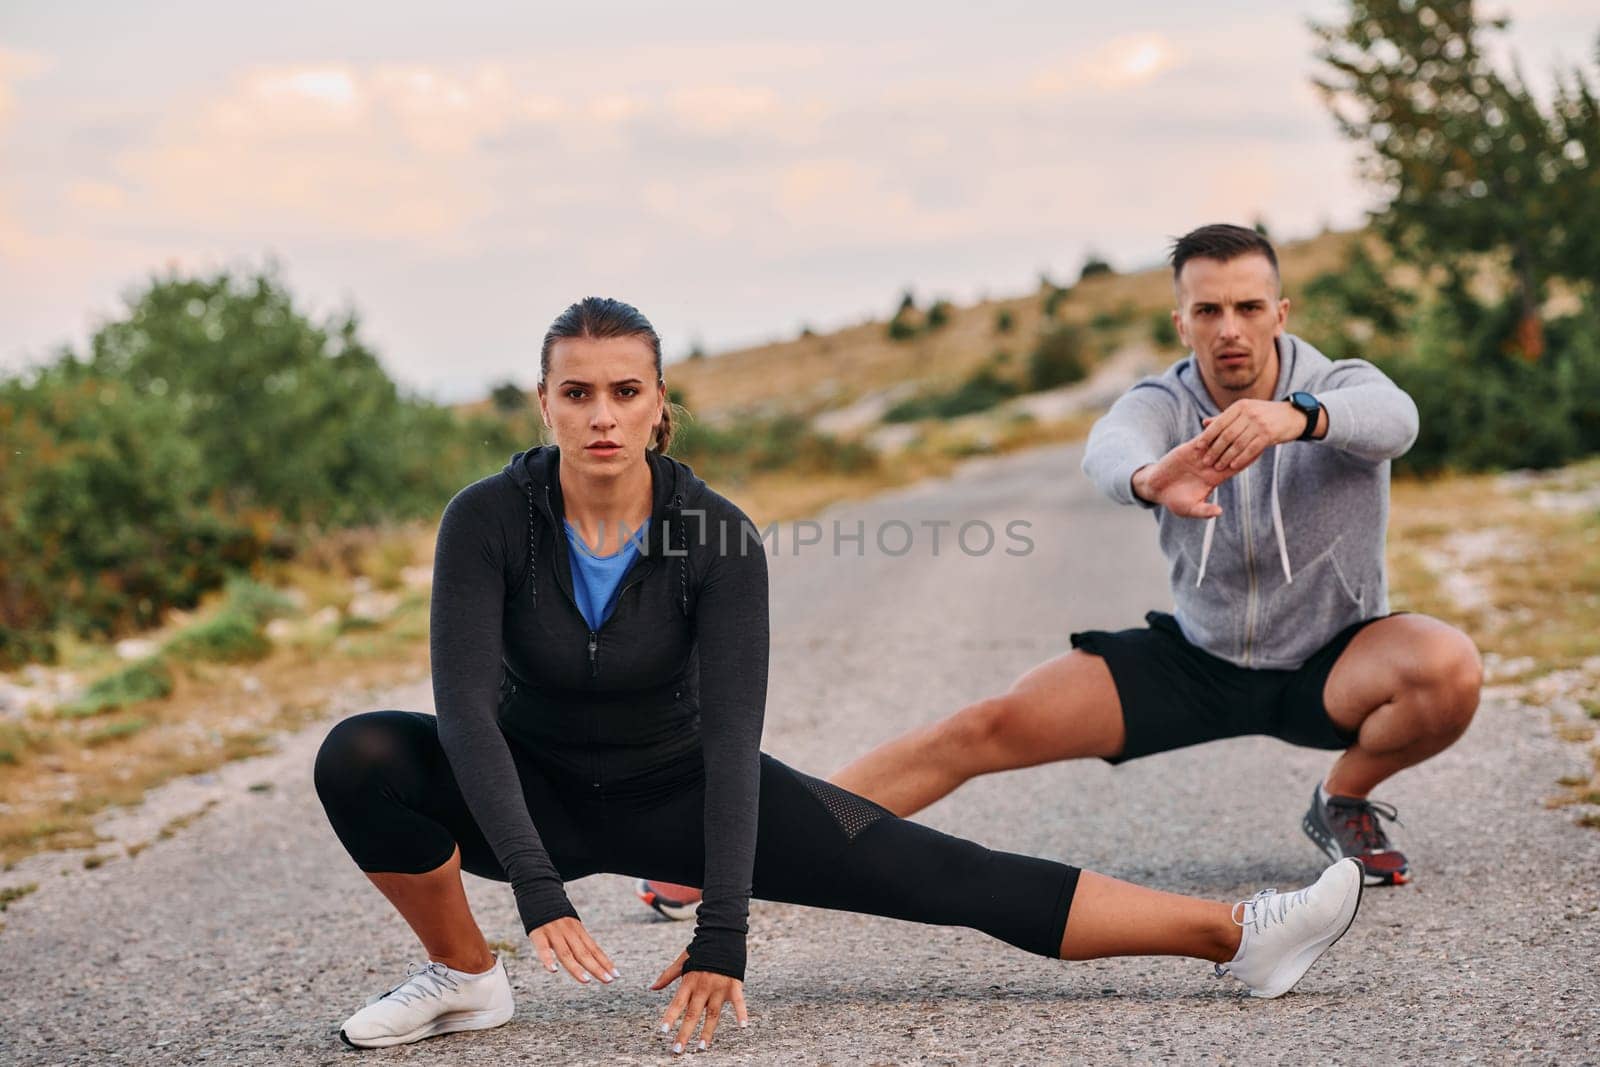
1175 694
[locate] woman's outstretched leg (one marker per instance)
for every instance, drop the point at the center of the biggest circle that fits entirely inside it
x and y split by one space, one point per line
1115 918
822 846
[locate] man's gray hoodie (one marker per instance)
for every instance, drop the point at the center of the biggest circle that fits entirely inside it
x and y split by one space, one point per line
1297 554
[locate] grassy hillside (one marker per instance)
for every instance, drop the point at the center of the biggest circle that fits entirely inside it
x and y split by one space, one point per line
827 371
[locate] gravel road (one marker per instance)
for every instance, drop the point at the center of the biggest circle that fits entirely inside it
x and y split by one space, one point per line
248 936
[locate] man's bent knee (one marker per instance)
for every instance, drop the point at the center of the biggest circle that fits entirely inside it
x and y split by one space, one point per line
1449 675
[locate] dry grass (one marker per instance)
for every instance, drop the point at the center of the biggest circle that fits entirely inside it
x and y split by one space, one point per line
809 374
63 772
1515 562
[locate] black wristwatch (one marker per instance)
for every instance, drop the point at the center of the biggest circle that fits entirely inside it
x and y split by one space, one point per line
1310 407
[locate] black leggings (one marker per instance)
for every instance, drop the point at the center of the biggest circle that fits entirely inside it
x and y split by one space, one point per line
393 800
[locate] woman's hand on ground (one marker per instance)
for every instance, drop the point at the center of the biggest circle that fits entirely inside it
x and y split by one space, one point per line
566 942
701 995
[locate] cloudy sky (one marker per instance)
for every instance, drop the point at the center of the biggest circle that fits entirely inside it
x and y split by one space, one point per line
459 173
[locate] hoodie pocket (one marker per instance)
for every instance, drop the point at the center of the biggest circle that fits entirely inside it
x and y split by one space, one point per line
1344 583
1301 617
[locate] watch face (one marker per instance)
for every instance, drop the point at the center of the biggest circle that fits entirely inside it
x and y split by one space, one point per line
1304 401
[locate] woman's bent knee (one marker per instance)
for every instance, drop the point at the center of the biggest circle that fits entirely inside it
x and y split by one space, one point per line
357 752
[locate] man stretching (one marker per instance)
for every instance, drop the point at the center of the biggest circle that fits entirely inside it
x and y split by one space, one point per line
1267 467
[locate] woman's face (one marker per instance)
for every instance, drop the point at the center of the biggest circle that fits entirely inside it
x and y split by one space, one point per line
602 401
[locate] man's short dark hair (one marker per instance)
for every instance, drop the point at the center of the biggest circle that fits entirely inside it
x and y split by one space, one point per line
1220 241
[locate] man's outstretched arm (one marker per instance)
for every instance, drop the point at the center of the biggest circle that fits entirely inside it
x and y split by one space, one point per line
1362 413
1141 427
1368 415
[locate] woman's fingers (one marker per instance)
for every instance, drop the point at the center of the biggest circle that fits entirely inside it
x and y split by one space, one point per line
675 1009
713 1016
673 972
566 942
583 955
542 948
691 1020
608 969
697 1006
568 960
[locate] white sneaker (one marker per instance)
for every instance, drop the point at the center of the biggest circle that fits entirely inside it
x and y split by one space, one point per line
1284 934
432 1000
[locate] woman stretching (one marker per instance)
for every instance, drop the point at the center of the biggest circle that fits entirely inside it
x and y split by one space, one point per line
599 650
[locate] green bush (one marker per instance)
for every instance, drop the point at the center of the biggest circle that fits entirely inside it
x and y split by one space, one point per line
1355 311
106 517
210 424
980 391
1163 334
900 329
256 602
235 633
115 731
1094 266
149 679
938 315
1482 408
733 451
16 741
1060 358
1054 297
227 637
1111 320
508 397
1004 321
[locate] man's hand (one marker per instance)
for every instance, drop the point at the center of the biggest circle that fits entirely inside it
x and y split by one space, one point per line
567 942
1181 481
1246 428
701 995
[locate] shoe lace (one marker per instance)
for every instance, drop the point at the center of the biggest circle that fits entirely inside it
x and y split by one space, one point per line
1359 819
1266 908
431 980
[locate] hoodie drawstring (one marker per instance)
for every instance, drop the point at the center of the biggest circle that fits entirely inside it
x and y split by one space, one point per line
676 508
1277 530
1205 549
533 550
1277 523
674 522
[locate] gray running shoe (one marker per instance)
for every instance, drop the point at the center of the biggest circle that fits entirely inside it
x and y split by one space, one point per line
1348 827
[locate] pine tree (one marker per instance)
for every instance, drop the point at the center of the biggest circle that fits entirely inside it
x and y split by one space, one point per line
1469 161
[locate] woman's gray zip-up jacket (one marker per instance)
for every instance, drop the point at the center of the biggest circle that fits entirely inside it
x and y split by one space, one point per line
678 672
1297 554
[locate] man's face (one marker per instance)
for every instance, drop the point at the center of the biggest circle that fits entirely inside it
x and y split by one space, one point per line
1229 313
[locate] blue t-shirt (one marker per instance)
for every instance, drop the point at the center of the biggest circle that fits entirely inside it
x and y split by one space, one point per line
596 580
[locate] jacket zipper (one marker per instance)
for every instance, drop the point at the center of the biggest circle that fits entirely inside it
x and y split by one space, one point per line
1250 571
594 635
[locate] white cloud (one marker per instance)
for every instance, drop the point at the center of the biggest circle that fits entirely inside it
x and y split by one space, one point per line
1122 63
685 176
17 67
723 108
